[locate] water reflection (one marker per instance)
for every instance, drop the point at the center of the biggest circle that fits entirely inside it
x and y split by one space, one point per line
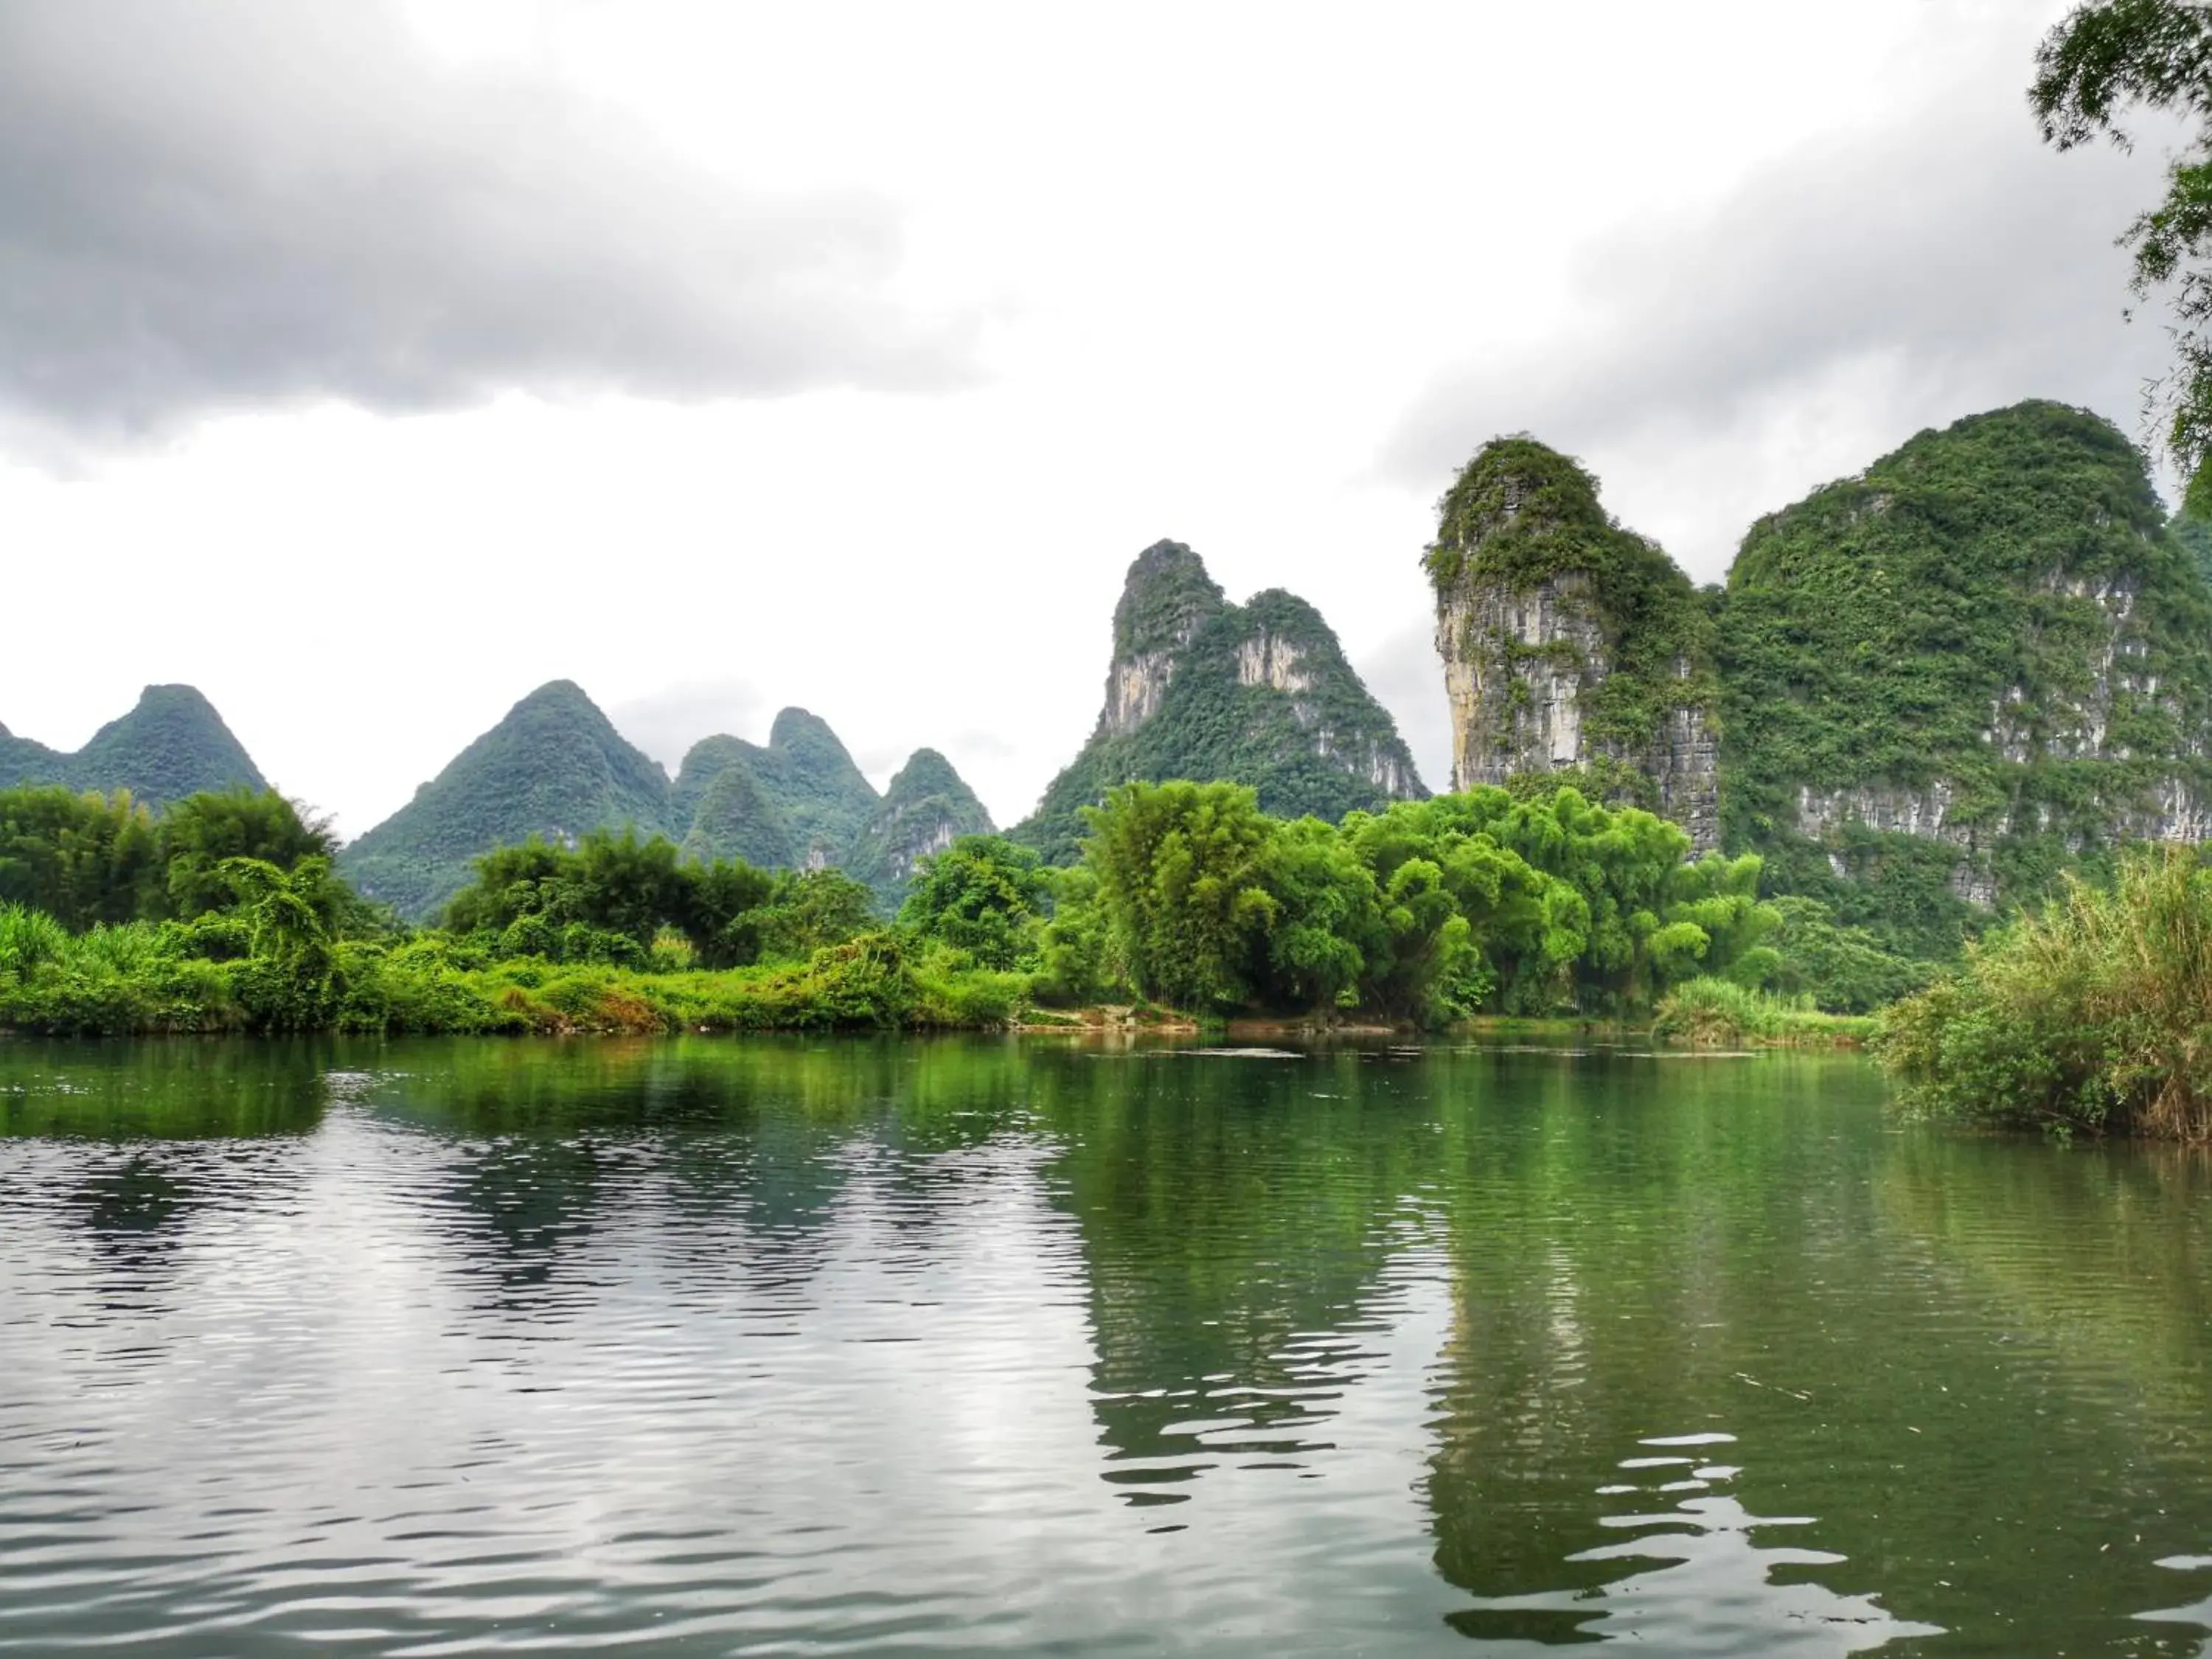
2199 1613
699 1346
1716 1594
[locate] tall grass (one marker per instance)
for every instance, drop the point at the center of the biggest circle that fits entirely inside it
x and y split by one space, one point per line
1709 1012
2091 1015
29 939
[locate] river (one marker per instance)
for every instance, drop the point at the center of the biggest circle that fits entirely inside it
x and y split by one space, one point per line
714 1346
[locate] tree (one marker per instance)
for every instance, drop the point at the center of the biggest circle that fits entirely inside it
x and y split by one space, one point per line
2104 57
201 834
82 859
286 911
984 894
810 911
1182 873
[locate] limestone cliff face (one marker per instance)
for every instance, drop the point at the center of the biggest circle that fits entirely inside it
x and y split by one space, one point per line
1960 673
1569 641
1165 600
1198 688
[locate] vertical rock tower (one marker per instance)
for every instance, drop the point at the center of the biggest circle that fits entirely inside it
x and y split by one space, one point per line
1570 642
1258 693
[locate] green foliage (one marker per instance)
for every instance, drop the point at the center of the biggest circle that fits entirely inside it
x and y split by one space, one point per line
2102 58
813 910
1313 746
87 859
1890 634
1842 970
609 900
1519 515
1081 961
201 834
82 859
28 941
552 768
1707 1012
984 894
1428 911
1182 871
171 745
2092 1014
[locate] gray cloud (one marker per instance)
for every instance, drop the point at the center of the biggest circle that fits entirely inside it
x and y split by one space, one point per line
223 203
665 724
1951 264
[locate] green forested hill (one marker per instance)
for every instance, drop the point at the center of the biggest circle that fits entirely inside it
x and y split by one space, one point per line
797 800
1983 660
1259 694
556 767
553 766
171 744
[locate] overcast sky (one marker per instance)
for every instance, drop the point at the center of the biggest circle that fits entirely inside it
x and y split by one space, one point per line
367 368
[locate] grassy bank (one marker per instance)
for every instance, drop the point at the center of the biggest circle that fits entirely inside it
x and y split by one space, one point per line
135 981
1718 1013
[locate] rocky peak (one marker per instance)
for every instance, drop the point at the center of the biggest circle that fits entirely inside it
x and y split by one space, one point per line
1568 640
927 807
1198 688
172 744
1166 598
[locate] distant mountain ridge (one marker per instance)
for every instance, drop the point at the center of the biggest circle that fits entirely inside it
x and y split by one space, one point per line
556 767
173 744
1259 694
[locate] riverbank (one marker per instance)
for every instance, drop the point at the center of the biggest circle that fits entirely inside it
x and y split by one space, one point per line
426 988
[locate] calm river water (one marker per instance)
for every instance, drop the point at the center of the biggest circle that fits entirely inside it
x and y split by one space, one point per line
711 1346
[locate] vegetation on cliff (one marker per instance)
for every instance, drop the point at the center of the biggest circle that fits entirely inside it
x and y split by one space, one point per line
925 809
1991 632
799 800
553 767
1520 515
1259 694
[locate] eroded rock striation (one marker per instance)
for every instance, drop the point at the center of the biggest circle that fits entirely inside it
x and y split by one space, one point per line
1198 688
1569 641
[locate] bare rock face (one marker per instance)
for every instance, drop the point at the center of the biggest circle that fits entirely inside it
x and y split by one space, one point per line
1569 641
1198 688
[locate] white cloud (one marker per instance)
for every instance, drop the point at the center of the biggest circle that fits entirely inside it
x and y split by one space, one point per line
1253 278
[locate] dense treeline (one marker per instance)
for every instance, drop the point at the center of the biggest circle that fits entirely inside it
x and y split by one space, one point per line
223 913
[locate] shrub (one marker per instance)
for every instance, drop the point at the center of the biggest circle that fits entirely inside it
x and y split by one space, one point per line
2091 1015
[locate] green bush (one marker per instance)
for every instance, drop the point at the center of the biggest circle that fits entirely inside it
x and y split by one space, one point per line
1710 1012
2092 1014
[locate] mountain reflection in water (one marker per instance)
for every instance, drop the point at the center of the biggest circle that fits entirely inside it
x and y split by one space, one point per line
708 1346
